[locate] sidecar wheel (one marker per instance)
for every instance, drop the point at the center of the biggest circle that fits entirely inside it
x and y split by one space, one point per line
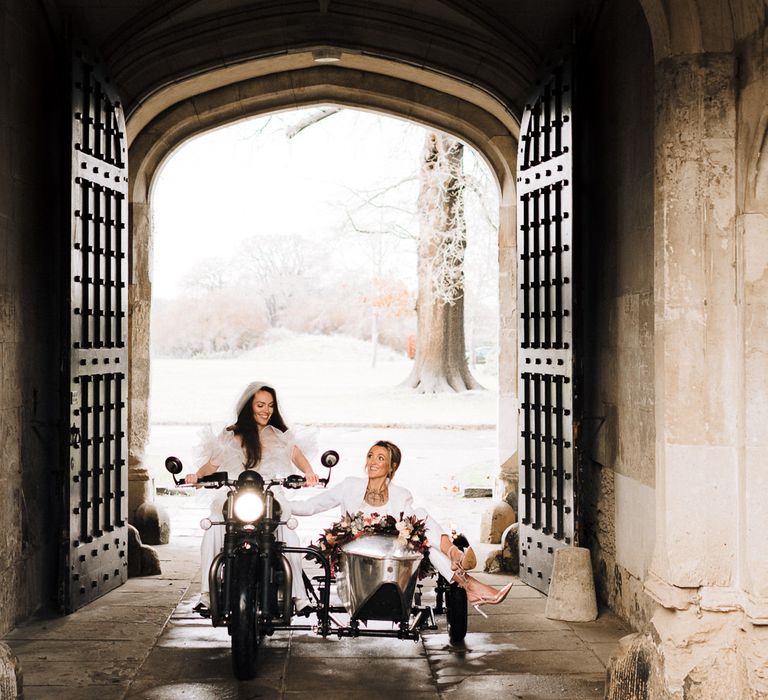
245 617
456 613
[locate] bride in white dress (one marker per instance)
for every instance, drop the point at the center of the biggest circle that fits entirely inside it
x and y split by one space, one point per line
259 440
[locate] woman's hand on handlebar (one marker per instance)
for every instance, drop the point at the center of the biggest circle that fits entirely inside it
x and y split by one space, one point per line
191 478
311 479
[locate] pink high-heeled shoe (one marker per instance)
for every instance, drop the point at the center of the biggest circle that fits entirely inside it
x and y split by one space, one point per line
475 599
483 600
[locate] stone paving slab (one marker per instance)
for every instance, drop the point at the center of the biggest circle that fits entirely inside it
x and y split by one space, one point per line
524 686
606 629
380 676
564 662
230 689
503 621
86 672
306 645
73 629
205 662
68 692
137 613
375 694
69 650
480 643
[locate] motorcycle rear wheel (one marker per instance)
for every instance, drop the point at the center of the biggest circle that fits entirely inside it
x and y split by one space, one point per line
245 618
456 612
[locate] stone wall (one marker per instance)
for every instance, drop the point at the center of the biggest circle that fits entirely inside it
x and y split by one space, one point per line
752 240
709 636
616 110
30 223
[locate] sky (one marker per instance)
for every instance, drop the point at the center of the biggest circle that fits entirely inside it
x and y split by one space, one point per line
250 178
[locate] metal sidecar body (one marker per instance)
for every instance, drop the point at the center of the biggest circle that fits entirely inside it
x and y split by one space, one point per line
377 578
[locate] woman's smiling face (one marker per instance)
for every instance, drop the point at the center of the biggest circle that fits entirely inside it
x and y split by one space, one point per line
263 405
377 462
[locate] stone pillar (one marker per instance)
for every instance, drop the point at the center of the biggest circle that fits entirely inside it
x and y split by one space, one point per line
503 510
701 643
506 484
140 484
752 230
697 365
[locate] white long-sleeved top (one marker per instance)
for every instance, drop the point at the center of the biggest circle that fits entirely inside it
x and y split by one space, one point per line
349 496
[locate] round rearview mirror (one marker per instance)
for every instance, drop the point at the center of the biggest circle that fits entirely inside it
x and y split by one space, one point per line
206 524
291 523
173 465
329 459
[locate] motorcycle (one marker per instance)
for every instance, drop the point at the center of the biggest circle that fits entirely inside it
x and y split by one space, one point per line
251 578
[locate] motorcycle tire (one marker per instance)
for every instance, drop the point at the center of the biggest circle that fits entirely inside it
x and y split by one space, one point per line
245 619
456 613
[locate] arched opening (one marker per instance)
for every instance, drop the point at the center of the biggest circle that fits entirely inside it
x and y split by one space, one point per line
493 138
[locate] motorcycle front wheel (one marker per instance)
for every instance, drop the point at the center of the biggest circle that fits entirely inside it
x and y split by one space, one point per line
245 618
456 613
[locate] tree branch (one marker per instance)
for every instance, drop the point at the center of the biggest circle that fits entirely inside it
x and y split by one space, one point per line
309 120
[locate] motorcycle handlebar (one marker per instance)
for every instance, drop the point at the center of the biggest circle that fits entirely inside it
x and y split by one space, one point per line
294 481
219 479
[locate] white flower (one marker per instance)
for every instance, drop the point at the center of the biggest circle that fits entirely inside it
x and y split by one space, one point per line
403 532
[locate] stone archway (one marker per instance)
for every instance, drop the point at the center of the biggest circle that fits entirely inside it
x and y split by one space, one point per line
450 106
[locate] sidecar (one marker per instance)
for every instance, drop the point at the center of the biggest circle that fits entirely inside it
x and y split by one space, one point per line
377 580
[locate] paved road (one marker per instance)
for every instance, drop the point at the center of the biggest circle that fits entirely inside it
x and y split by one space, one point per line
143 642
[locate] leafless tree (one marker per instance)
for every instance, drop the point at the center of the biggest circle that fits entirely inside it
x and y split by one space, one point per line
382 219
481 262
272 266
206 276
440 364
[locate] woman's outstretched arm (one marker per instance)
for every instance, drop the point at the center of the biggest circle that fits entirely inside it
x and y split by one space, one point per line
325 500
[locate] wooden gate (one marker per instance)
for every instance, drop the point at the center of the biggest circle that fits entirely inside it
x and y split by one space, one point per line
545 328
95 548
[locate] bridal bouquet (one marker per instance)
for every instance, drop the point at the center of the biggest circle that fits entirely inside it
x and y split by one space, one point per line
409 530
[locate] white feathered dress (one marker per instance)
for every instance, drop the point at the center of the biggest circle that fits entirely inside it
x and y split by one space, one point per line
224 450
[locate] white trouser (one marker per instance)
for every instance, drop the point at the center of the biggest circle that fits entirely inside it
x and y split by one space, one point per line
434 534
213 542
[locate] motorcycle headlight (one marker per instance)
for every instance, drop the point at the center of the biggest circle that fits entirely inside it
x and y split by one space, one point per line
248 506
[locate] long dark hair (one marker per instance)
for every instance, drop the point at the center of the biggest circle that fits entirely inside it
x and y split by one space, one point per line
246 427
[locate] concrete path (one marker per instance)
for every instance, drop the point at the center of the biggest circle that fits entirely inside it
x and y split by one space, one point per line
143 641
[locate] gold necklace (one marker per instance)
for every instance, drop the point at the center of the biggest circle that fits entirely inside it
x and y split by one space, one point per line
376 498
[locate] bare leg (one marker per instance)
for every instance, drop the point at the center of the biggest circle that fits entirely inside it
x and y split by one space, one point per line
460 560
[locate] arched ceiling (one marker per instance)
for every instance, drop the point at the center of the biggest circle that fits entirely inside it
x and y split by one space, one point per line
164 51
485 52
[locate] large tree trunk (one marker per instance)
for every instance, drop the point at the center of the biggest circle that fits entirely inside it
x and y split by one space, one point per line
440 364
